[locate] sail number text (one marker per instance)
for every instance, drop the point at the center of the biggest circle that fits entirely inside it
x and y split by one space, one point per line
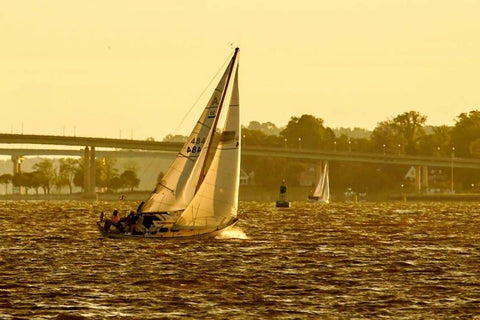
198 141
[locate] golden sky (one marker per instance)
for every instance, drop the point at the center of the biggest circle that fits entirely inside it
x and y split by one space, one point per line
135 68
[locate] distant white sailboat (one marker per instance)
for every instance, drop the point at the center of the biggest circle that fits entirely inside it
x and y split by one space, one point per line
322 191
196 198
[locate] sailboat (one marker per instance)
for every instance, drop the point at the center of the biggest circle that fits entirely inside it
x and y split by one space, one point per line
322 191
198 196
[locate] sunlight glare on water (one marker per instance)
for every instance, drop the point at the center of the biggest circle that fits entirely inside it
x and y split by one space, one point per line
338 261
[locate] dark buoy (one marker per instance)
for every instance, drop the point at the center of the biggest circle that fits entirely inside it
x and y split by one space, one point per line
282 202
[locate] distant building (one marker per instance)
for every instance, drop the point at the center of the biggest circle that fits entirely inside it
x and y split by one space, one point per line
244 178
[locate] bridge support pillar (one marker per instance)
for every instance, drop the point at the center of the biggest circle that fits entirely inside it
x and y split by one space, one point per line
92 187
17 168
418 179
425 179
17 164
86 171
89 166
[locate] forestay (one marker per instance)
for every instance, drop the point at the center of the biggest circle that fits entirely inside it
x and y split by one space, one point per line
176 189
216 202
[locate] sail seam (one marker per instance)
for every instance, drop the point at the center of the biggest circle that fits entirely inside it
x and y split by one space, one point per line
203 124
187 157
171 190
234 148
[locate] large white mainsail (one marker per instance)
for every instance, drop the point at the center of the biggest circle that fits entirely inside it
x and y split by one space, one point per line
322 191
216 202
173 192
195 198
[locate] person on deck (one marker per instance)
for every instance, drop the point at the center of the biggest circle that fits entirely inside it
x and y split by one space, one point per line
130 221
114 219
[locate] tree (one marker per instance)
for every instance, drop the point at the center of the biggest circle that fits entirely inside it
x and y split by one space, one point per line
259 138
79 174
46 173
465 136
307 132
105 171
129 179
21 179
410 126
466 131
78 178
353 133
114 184
27 181
175 138
61 180
268 128
475 148
67 171
6 179
35 180
400 134
438 143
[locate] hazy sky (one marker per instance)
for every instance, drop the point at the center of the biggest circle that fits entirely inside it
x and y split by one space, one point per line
105 67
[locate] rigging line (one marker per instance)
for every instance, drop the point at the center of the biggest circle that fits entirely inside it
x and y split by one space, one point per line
171 190
201 94
150 164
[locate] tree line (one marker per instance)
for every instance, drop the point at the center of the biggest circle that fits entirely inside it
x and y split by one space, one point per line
404 134
66 173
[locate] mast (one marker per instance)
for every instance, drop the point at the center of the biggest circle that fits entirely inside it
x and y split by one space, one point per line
214 127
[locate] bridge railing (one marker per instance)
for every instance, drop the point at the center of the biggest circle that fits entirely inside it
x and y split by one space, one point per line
364 156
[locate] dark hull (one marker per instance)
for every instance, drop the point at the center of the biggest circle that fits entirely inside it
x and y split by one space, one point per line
160 236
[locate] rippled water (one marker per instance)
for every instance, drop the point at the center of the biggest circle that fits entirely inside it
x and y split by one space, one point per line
369 260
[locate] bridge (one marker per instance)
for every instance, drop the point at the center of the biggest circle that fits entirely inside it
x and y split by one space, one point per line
88 141
304 154
143 148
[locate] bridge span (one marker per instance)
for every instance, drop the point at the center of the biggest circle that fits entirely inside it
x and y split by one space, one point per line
144 148
89 141
303 154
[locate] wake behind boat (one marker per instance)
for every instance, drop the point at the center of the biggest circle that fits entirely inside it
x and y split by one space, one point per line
198 196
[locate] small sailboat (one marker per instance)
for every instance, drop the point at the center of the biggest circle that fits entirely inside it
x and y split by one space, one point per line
198 196
322 191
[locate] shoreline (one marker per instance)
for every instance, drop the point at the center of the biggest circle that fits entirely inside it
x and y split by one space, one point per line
250 193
